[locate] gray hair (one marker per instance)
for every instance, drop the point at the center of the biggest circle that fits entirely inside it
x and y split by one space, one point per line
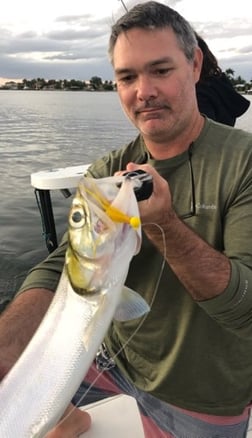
154 15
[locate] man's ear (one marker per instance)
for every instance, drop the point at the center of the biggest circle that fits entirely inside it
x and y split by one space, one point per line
197 63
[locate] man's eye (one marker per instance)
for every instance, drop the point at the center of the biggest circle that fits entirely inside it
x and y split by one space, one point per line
126 79
162 71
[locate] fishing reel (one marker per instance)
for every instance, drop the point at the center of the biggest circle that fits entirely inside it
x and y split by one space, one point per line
143 183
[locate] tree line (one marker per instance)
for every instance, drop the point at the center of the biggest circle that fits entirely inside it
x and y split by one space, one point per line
95 83
238 82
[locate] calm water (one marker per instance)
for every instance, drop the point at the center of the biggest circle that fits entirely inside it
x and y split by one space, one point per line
44 130
39 131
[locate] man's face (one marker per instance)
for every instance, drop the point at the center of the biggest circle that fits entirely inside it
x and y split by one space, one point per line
155 82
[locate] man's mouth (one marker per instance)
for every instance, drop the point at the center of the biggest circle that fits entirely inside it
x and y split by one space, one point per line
151 109
149 113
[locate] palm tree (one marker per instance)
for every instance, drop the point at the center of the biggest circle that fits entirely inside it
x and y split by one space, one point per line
230 74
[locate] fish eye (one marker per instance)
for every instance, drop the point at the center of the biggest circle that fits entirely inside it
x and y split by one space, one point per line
77 218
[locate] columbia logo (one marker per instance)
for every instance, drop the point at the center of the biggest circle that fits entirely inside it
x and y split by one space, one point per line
206 206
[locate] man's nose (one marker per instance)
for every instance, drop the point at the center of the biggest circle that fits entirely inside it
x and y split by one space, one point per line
145 88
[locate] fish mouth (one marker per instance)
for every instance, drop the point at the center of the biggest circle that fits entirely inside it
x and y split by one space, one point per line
83 259
85 291
86 274
92 260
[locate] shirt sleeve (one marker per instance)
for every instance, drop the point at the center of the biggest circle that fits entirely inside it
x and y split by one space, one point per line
233 308
47 273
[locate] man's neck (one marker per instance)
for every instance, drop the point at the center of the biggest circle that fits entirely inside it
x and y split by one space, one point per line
172 147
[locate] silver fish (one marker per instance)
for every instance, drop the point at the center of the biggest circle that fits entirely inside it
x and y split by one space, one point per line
104 235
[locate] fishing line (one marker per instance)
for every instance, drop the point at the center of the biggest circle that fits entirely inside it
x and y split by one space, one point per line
125 7
154 293
137 328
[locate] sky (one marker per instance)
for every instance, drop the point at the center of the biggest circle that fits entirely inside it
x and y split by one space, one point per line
68 40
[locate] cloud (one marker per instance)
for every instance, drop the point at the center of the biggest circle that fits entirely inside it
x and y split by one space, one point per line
75 49
75 46
219 29
74 35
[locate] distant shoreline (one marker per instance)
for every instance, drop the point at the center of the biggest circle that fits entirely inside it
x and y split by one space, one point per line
55 89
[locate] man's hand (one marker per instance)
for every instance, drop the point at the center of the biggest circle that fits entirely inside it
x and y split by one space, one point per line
204 271
159 205
73 423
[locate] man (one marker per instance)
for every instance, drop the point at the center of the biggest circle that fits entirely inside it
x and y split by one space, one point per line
188 364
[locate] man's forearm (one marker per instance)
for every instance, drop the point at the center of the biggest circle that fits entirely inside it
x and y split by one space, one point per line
203 271
18 324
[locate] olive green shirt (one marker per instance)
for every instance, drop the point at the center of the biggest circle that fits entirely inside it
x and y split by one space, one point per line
195 355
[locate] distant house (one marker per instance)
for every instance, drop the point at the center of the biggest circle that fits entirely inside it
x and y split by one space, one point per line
240 87
243 88
11 85
89 86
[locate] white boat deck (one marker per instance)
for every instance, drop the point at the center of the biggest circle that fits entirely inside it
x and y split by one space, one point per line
116 416
119 417
249 434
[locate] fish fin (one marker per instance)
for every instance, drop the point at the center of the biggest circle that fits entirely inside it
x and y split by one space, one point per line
131 306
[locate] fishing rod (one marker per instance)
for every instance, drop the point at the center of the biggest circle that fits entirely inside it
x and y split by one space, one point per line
125 7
